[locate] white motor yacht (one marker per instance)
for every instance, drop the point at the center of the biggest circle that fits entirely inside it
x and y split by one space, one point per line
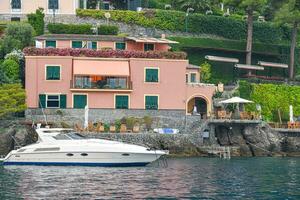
66 147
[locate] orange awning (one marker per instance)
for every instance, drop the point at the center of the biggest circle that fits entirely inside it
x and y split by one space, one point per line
101 67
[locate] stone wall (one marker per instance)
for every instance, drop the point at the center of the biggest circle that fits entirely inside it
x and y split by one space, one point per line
130 29
161 118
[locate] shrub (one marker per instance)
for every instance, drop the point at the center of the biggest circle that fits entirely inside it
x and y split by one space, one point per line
108 30
11 69
12 99
37 21
32 51
8 44
225 27
58 28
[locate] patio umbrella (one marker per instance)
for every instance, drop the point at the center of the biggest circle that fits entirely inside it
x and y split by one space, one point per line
235 100
291 114
86 116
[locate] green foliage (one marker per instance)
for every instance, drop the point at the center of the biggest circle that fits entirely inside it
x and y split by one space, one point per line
8 44
272 98
58 28
37 21
148 122
247 4
12 99
22 32
205 72
11 70
224 27
108 30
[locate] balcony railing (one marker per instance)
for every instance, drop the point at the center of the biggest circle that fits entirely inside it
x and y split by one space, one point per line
86 85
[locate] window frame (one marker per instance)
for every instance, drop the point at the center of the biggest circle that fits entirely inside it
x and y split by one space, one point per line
125 45
191 75
47 95
149 44
151 95
84 94
53 65
115 101
15 10
76 41
145 74
50 41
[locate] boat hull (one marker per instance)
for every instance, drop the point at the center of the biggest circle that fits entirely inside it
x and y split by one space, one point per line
116 159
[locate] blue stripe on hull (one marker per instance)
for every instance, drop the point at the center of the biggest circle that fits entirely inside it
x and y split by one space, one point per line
137 164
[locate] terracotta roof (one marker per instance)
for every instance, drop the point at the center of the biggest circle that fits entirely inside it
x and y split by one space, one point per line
81 37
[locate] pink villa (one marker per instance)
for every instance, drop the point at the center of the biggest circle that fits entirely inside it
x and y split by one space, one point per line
113 73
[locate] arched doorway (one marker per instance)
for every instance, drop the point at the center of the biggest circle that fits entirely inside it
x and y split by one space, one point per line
197 106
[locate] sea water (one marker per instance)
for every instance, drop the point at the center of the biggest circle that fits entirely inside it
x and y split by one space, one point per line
184 178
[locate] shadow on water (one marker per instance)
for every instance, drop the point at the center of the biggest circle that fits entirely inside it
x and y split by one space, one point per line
191 178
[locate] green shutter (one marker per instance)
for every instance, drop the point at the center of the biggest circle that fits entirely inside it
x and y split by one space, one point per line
52 73
151 75
42 101
151 102
122 102
94 45
120 45
50 43
80 101
76 44
63 101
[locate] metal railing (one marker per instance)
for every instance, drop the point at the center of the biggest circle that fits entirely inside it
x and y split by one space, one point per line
96 86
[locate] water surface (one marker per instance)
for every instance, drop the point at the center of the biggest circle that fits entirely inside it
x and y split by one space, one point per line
184 178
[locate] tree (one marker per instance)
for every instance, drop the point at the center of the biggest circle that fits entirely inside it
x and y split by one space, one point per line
8 44
249 6
197 5
205 72
289 13
22 32
37 21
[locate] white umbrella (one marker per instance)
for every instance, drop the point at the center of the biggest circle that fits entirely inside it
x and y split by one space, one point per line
291 114
235 100
86 116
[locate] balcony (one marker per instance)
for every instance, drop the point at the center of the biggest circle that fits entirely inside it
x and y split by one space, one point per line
101 84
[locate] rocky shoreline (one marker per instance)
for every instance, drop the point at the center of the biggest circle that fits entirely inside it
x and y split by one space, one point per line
258 140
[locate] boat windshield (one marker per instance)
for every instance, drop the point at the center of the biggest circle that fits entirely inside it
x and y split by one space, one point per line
69 136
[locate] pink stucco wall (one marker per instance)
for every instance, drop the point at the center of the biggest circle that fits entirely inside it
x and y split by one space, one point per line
106 44
63 44
29 6
172 90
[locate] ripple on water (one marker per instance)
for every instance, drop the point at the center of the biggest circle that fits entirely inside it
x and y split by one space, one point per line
190 178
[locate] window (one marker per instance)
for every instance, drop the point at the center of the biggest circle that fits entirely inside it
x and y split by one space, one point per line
121 101
186 78
52 72
76 44
106 6
50 43
81 4
193 77
53 4
91 45
151 75
148 47
52 101
79 101
15 19
151 102
16 5
121 45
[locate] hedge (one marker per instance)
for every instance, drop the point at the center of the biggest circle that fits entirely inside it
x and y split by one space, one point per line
36 20
229 45
108 30
225 27
32 51
58 28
